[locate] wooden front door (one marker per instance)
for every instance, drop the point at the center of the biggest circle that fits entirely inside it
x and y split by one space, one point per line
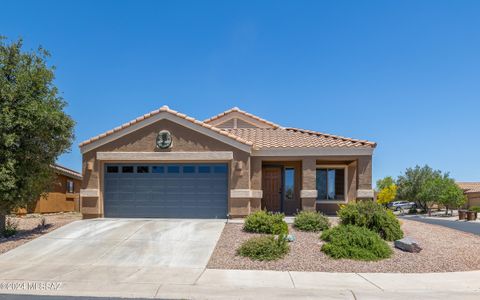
272 189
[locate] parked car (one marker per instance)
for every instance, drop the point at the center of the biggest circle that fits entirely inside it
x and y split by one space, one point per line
399 205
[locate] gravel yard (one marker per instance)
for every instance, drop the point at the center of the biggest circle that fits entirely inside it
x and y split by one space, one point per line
29 229
444 250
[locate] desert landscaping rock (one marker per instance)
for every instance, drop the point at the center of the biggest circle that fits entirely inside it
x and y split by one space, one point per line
28 228
407 244
444 250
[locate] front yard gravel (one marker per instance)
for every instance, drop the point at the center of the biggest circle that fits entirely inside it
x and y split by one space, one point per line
444 250
29 229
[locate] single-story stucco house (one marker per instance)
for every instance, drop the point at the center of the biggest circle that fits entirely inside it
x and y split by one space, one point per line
472 191
169 165
63 195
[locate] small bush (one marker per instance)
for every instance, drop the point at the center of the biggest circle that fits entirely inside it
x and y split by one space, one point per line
264 248
10 228
311 221
412 210
266 222
475 209
43 223
372 216
354 242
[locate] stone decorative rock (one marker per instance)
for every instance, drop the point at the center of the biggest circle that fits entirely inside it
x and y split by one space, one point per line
408 244
291 238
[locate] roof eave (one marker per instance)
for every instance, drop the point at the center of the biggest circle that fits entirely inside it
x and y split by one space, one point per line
314 151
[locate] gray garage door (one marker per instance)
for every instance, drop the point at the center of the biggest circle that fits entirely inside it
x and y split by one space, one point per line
166 190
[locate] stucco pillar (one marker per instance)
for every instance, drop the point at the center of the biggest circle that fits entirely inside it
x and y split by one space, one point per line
352 181
364 172
90 205
256 183
308 193
256 173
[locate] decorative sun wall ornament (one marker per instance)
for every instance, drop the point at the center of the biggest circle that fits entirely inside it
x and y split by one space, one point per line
164 139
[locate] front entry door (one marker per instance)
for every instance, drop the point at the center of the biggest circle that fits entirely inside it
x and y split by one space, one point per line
272 189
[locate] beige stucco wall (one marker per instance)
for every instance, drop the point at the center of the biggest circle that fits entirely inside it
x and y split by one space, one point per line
57 199
473 199
143 140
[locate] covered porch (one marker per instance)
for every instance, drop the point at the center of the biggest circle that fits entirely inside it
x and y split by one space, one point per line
291 184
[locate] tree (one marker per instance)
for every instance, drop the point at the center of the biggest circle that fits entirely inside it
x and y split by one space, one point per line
384 183
387 194
34 129
412 185
452 195
431 191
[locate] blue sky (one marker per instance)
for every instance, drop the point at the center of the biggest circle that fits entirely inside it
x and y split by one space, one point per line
405 74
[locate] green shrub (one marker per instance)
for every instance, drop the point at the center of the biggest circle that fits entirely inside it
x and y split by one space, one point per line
412 210
475 209
10 228
373 216
264 248
311 221
266 222
354 242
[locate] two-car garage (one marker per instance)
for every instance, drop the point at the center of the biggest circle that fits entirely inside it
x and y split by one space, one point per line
166 190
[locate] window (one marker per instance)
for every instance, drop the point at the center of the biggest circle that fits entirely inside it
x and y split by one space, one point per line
188 169
127 169
142 169
203 169
158 169
70 187
173 169
289 187
331 183
112 169
220 169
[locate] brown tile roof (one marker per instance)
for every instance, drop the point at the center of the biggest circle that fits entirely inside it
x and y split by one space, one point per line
173 112
66 171
469 187
259 138
296 138
236 109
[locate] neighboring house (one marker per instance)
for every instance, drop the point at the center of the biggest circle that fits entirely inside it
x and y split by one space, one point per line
167 164
472 191
64 195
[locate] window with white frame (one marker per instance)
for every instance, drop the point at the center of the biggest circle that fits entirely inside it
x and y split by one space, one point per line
70 186
331 183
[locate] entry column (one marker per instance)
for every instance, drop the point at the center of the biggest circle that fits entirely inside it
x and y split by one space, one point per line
308 193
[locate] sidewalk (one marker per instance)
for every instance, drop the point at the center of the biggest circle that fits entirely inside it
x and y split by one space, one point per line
249 284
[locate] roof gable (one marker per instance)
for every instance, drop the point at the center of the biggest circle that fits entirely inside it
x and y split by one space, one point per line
165 113
237 118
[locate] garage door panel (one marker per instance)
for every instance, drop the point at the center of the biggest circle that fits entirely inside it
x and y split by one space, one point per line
167 190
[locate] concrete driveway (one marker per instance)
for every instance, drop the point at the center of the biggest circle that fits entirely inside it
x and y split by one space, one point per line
140 251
